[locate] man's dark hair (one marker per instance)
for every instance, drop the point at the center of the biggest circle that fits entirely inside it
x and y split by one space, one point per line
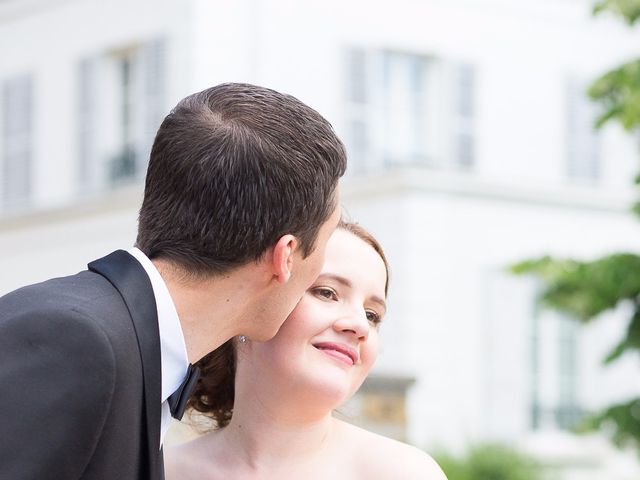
232 169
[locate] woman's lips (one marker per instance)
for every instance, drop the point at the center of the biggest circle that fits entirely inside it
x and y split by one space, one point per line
339 351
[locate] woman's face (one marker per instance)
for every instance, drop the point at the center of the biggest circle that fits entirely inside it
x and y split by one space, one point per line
330 340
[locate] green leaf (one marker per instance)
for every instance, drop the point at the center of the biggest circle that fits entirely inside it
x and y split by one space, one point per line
622 419
616 352
629 10
618 92
631 341
585 289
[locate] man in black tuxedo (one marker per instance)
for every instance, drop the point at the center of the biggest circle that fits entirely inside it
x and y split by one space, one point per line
240 199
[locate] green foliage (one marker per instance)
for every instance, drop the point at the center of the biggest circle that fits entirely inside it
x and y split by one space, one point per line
618 91
629 10
454 468
586 289
490 462
623 419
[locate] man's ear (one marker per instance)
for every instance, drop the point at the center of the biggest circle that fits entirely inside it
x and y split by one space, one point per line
282 260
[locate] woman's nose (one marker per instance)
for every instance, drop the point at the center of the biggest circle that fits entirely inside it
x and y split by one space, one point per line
353 320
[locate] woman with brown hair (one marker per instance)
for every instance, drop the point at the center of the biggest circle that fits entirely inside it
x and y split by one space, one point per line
272 401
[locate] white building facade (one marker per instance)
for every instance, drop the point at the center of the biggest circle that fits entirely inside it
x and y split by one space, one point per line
471 147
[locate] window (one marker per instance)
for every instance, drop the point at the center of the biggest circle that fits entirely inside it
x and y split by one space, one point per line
582 139
121 104
123 162
17 142
555 375
401 108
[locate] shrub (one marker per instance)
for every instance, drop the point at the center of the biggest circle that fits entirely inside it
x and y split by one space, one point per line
490 462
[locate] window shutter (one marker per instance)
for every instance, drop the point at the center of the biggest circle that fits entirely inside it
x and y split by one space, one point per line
91 173
17 108
153 94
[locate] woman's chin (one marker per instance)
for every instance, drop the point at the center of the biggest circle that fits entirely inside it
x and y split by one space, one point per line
328 391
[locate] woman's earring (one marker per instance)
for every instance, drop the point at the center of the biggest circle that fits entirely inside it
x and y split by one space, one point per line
242 339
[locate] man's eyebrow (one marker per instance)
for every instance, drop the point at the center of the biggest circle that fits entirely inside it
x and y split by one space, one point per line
347 283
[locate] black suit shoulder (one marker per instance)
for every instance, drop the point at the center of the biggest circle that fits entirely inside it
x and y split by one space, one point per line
58 372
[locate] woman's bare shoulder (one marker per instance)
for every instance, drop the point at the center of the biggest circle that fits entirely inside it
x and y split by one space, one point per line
383 458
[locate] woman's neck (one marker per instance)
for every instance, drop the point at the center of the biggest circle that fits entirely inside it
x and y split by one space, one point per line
264 440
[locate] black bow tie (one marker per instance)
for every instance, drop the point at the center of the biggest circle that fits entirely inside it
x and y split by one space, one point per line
178 399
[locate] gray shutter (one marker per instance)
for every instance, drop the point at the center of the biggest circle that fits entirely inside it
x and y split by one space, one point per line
17 154
463 127
90 170
152 95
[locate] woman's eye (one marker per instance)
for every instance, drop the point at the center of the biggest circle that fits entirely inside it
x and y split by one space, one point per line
373 317
325 293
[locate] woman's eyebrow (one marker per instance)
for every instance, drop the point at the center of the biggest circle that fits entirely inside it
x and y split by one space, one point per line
379 301
342 280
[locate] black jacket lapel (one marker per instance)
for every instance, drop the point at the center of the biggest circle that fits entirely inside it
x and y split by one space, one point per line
130 279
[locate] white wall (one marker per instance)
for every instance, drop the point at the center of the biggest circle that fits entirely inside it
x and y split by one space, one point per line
456 321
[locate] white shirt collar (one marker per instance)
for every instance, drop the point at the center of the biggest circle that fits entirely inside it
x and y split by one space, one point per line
173 351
